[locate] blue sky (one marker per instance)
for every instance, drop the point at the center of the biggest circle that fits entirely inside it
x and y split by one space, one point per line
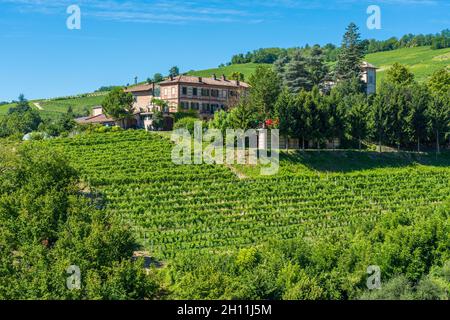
118 40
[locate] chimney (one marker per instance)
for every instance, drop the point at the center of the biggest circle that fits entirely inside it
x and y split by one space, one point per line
238 83
153 88
171 77
200 79
214 76
224 78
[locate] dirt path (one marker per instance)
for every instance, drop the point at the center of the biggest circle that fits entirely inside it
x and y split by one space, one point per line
37 105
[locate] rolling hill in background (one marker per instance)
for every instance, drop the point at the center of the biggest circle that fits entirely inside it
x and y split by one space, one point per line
422 61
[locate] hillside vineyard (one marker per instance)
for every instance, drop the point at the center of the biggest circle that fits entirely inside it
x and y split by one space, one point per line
196 207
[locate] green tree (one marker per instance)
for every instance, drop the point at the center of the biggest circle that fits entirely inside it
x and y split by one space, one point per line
349 61
439 117
439 83
48 224
265 88
22 105
358 117
296 75
399 74
284 111
237 76
174 71
158 77
317 69
417 114
118 105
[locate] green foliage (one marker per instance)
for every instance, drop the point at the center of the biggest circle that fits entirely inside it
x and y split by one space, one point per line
20 119
158 77
351 55
118 104
400 75
187 123
47 225
265 88
439 83
174 71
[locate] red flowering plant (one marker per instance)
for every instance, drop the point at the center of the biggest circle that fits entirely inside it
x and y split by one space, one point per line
272 123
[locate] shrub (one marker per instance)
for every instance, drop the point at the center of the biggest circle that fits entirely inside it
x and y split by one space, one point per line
186 123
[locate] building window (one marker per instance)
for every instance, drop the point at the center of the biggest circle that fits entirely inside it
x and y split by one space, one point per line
195 105
206 108
173 90
371 79
214 107
184 105
194 91
224 94
184 91
166 92
233 93
205 92
214 93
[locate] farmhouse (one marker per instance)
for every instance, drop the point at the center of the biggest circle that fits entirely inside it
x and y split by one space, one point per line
205 95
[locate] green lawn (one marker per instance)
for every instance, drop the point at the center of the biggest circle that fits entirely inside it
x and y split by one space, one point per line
422 61
247 69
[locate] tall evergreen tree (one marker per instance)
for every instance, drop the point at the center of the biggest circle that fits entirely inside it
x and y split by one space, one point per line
318 70
296 76
350 58
358 117
417 114
265 89
284 110
439 116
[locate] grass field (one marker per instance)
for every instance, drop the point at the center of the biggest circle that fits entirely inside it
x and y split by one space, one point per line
422 61
52 107
208 207
247 69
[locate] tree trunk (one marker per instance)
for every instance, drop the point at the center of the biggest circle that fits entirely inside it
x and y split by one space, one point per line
318 145
437 142
418 144
359 140
379 143
303 143
287 142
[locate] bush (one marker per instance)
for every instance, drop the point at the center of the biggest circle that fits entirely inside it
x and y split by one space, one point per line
186 123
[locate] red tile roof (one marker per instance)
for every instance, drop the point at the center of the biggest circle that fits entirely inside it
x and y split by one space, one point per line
219 81
101 118
142 87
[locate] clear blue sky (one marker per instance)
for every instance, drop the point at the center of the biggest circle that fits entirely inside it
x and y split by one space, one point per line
118 40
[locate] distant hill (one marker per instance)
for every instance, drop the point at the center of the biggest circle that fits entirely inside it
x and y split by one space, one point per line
422 61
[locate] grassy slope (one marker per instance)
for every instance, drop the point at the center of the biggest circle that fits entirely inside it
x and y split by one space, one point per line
195 207
247 69
53 107
422 61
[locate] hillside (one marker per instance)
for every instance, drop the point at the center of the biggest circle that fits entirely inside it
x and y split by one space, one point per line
421 60
247 69
196 207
